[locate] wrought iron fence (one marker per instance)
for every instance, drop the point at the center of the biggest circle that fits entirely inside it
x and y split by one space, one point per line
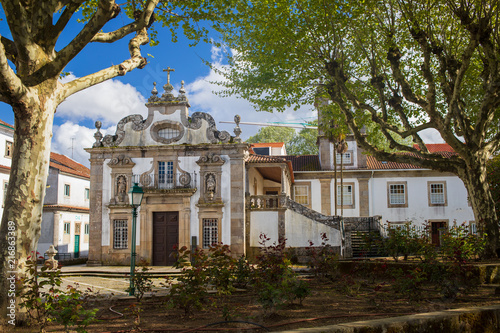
166 181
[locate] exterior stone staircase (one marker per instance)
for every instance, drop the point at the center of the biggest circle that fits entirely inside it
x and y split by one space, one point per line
360 248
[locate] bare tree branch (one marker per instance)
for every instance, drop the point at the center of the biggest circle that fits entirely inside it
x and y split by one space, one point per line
66 15
11 86
141 22
135 61
17 19
107 10
10 48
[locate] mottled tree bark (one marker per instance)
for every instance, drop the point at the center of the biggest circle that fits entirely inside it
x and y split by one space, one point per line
33 91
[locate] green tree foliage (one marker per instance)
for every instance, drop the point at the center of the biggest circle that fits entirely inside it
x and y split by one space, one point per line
393 67
32 58
302 143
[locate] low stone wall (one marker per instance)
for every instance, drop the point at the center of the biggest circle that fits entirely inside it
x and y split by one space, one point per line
481 319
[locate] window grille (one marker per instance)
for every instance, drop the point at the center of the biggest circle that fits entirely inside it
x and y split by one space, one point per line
120 234
86 229
168 133
210 232
67 228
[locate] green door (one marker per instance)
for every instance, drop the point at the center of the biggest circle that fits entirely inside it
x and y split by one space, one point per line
77 247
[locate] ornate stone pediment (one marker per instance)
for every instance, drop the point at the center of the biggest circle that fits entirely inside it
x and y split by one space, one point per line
121 161
210 158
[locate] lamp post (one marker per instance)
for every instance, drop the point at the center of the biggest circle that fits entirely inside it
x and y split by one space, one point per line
135 197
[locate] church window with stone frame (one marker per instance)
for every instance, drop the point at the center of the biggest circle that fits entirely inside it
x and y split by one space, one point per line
165 172
168 133
120 234
301 194
210 232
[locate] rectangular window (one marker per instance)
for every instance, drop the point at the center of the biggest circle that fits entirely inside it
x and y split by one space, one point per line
8 149
166 172
347 194
210 232
67 191
67 228
397 195
437 193
346 159
301 194
86 229
120 234
87 194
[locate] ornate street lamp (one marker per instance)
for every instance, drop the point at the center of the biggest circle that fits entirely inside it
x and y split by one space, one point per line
135 198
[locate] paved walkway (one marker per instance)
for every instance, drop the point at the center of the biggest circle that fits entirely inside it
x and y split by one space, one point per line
115 286
115 269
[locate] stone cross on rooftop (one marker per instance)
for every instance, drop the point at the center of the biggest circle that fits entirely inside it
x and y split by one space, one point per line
168 70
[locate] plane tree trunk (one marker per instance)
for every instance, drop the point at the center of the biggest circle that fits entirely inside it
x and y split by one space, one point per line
483 205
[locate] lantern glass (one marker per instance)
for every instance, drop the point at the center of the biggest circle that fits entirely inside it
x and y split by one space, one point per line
135 195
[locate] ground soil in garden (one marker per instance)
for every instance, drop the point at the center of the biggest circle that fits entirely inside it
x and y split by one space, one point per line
330 302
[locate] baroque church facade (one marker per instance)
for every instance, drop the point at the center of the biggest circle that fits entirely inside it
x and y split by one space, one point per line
205 186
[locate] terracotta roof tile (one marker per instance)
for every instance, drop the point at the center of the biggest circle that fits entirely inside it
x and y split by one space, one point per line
66 164
304 162
267 144
265 159
437 147
6 124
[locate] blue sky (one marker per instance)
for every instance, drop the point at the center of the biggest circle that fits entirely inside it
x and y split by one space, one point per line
114 99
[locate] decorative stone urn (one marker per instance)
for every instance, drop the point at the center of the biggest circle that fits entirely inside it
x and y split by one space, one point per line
51 263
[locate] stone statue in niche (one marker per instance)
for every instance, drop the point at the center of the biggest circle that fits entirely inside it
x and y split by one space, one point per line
210 186
121 189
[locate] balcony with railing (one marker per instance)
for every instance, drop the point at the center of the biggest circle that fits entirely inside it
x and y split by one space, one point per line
166 181
266 202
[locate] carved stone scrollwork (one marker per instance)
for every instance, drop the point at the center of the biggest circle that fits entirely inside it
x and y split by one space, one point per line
145 179
121 160
185 179
211 158
138 124
213 135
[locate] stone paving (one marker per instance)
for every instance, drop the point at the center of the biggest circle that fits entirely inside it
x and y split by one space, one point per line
109 286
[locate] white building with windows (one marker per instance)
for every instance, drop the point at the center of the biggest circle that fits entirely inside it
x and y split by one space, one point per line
65 220
6 142
399 193
204 186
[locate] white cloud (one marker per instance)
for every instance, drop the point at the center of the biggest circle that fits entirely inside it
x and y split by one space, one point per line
202 98
70 139
108 102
